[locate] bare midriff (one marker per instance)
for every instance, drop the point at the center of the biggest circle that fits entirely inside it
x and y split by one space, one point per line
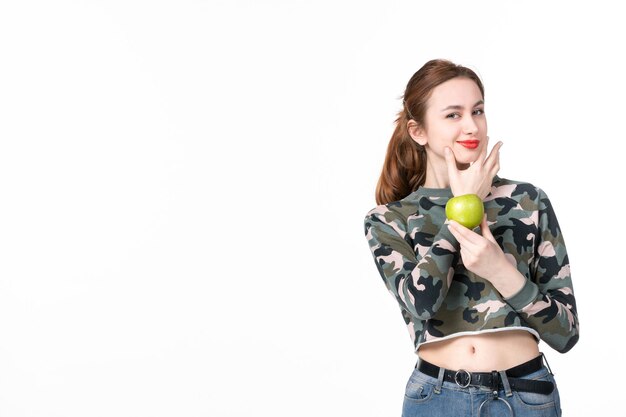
482 352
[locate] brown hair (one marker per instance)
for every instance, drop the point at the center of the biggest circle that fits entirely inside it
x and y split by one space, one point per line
404 169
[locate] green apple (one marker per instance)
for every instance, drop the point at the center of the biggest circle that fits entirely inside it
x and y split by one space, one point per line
465 209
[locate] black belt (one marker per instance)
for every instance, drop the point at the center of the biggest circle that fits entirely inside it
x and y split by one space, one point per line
492 380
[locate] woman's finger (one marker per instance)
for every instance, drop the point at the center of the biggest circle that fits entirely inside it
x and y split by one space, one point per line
450 163
483 152
494 155
466 248
484 228
464 235
454 229
496 166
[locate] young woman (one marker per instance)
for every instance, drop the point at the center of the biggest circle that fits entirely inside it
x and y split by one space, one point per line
476 302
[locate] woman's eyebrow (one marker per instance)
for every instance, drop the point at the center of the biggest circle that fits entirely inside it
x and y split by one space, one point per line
458 107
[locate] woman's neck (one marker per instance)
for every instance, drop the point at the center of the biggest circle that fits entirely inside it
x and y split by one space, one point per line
436 176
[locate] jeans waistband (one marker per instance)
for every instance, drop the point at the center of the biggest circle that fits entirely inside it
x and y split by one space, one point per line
494 380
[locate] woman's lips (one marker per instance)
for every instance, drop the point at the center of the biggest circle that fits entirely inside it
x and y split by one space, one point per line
470 144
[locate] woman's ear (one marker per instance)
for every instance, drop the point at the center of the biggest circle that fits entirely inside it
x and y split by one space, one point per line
417 132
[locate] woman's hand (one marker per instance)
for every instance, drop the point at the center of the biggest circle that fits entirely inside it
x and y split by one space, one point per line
477 178
483 256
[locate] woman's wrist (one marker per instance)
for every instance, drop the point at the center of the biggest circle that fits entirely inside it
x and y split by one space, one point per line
507 280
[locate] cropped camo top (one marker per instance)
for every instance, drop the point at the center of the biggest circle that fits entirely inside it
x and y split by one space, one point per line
419 260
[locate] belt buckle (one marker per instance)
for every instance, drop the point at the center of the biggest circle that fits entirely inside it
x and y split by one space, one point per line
463 378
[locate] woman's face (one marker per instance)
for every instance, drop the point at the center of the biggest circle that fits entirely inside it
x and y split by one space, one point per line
455 118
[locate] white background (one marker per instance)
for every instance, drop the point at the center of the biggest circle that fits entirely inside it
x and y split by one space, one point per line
183 186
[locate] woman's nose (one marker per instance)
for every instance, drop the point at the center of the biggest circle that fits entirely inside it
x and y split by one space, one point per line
469 127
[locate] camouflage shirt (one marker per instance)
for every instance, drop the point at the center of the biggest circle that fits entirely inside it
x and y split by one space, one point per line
419 261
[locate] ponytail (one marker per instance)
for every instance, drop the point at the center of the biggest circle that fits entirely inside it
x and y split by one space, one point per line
404 169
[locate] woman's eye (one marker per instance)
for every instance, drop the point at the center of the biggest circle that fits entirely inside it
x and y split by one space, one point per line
476 112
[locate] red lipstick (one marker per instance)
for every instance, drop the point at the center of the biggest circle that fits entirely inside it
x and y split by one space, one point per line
470 144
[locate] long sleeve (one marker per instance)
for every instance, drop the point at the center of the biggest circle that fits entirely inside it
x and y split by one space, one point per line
546 301
418 279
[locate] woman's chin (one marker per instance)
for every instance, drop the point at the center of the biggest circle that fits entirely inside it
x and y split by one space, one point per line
464 163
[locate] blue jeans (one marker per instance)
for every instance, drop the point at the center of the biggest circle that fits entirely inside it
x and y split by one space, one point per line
421 398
